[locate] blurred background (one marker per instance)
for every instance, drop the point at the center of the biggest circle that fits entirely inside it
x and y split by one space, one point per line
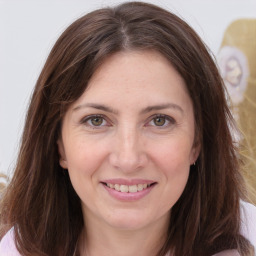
28 30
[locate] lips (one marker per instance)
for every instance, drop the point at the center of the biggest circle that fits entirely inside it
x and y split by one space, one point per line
128 189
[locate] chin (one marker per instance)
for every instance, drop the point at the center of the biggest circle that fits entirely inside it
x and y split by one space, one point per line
134 220
128 225
128 221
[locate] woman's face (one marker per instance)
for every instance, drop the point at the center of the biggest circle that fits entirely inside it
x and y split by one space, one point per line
128 141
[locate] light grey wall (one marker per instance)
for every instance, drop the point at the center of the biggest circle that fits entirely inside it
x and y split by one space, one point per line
28 30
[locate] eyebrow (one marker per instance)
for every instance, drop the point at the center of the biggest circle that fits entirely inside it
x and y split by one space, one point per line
143 111
96 106
161 107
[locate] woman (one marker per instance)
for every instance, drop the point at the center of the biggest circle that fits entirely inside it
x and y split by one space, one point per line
127 148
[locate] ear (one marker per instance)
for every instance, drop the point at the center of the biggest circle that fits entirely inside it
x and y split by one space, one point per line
62 155
195 151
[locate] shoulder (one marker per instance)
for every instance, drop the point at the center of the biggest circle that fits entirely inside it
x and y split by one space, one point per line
248 227
228 253
248 222
7 245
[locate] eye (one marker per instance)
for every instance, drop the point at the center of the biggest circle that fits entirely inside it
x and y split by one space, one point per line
95 121
161 121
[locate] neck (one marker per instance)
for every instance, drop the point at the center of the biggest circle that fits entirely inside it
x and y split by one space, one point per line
107 241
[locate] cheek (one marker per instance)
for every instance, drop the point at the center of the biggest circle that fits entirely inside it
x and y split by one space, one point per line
80 167
83 160
173 163
84 156
173 155
176 169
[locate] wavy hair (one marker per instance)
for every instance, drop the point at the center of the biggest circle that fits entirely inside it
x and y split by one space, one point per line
41 204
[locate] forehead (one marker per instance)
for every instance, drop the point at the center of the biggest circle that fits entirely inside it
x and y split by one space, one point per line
136 67
136 78
134 61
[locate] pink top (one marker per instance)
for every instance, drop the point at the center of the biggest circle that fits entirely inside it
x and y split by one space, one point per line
248 230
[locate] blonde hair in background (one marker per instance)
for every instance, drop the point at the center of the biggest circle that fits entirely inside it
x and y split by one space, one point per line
3 179
237 61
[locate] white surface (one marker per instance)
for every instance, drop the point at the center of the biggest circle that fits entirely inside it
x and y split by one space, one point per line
28 30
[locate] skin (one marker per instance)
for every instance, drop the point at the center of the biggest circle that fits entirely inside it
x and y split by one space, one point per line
228 253
145 130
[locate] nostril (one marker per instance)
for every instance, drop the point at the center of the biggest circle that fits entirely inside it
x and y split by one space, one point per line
127 161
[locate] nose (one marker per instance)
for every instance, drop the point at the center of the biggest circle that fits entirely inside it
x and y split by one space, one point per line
128 153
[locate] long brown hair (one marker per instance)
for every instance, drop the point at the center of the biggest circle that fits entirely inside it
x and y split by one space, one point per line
40 202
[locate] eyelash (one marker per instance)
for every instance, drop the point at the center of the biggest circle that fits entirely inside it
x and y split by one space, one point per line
91 117
168 119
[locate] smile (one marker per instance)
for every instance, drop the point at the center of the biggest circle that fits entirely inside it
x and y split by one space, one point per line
128 188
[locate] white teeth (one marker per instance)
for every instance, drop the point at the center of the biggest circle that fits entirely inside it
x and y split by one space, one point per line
126 188
140 187
133 189
117 187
